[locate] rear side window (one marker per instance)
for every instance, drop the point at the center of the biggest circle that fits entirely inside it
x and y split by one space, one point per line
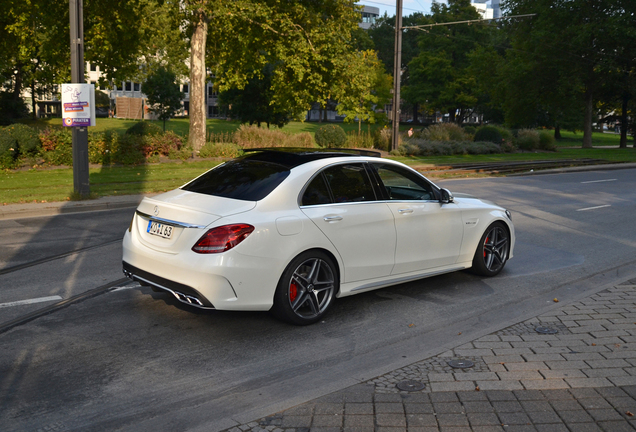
246 180
347 183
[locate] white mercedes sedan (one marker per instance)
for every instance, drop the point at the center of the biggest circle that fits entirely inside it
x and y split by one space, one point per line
289 230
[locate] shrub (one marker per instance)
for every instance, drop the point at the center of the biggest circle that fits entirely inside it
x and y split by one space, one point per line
26 137
547 141
8 149
221 137
331 136
489 134
382 139
364 140
161 144
126 149
420 147
57 146
255 137
527 139
226 150
444 132
470 130
144 128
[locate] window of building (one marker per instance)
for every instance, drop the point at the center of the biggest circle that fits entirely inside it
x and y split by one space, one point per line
136 86
185 88
93 67
128 86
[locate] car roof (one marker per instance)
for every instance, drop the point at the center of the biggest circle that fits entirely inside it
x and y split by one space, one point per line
292 157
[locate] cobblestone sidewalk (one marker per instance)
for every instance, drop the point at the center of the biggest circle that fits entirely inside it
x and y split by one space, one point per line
581 378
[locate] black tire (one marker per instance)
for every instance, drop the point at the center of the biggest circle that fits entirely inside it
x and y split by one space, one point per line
492 251
306 289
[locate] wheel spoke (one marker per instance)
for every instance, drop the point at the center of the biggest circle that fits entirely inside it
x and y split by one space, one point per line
315 286
495 249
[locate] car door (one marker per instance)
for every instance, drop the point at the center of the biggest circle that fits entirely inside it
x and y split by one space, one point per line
429 234
341 201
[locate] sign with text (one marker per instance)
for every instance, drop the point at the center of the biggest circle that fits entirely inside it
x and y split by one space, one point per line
78 104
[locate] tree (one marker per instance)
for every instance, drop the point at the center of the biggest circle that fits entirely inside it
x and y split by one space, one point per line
303 39
363 87
252 103
164 96
382 33
440 77
577 55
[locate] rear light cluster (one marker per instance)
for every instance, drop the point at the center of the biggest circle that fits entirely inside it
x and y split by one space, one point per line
223 238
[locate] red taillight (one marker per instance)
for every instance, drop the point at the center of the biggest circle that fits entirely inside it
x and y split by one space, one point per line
222 238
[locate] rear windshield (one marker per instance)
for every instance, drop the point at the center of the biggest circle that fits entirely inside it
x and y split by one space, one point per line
242 179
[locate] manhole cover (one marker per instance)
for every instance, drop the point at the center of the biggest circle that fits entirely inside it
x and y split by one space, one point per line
546 330
410 386
461 364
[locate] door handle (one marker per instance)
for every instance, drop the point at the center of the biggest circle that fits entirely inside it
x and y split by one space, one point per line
332 218
405 211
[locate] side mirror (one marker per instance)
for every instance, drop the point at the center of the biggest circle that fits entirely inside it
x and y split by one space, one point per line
446 196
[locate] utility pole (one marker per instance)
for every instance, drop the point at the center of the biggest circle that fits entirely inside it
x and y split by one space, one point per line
397 75
81 184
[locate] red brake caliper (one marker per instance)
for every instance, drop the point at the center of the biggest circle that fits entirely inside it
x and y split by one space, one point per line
485 243
293 291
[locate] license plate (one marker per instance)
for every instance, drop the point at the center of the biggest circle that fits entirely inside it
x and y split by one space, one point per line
158 229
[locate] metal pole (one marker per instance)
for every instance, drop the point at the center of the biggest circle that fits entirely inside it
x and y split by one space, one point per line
81 184
397 72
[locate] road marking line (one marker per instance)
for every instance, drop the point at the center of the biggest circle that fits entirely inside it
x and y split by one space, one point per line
598 181
127 287
31 301
594 208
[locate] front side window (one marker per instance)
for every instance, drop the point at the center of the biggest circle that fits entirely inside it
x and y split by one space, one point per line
241 179
403 185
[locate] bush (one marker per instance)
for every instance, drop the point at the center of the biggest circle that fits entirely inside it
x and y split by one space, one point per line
144 128
488 134
26 137
57 146
547 141
8 149
226 150
161 144
254 137
126 149
364 140
444 132
470 130
420 147
527 139
382 139
331 136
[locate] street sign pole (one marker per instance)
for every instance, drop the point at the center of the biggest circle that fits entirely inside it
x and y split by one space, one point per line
397 72
81 184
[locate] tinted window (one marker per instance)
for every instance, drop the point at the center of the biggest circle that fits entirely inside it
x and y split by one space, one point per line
241 179
317 192
349 183
403 184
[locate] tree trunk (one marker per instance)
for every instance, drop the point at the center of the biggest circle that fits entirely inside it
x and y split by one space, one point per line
33 105
416 107
197 82
320 114
557 132
587 125
359 126
624 120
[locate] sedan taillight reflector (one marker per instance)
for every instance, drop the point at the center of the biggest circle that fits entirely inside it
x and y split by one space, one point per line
222 238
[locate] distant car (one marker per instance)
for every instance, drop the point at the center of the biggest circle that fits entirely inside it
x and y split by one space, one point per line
292 229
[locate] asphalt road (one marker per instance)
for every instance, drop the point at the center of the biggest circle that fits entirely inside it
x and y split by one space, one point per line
135 360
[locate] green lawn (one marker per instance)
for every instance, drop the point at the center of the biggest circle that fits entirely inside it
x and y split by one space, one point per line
575 139
56 184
